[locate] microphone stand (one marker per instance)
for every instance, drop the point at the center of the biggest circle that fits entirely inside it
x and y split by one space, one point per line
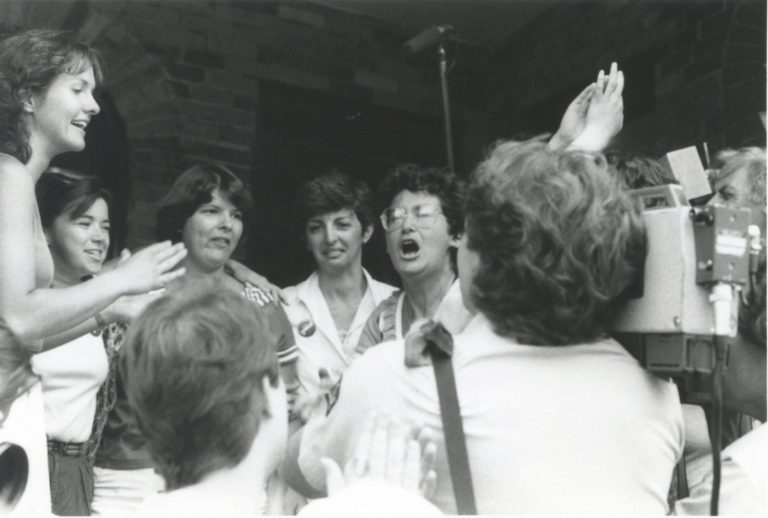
446 106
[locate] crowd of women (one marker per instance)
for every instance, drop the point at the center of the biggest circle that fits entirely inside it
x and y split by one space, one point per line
143 384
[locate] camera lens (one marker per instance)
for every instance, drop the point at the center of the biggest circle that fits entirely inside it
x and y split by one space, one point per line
14 469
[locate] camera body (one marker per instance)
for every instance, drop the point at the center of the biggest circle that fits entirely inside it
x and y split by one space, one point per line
669 323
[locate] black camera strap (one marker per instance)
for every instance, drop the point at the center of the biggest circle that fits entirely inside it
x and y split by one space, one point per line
453 428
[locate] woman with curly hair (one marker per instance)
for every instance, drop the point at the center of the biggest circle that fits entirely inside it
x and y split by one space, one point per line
47 81
423 221
558 417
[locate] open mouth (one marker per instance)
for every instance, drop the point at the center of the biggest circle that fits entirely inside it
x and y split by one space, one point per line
409 248
95 254
221 241
80 124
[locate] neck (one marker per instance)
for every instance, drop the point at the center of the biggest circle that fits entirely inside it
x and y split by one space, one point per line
196 271
425 293
343 285
39 159
62 280
242 486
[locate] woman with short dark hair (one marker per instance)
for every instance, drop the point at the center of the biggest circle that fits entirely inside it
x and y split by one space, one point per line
335 212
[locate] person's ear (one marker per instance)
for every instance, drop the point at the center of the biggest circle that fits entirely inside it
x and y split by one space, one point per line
27 101
455 240
367 233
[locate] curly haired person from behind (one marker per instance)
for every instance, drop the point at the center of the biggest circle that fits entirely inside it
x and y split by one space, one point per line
558 417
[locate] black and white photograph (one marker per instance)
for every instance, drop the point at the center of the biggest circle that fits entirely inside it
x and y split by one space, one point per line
383 258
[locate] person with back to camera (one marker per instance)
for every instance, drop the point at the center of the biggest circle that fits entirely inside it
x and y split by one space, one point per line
202 376
47 80
423 222
558 417
336 221
205 209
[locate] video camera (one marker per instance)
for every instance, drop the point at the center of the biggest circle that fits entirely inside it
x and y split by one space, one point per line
696 267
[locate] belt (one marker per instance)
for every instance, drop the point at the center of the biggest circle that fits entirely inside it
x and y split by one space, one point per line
68 449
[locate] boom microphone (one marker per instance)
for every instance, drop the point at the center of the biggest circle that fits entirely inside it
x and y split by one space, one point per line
427 38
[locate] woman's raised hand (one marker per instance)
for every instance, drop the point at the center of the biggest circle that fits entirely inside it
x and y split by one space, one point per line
150 268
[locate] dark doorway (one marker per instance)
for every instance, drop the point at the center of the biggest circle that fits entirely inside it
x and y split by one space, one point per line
301 134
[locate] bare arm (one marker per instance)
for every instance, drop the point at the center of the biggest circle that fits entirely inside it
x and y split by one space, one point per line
36 313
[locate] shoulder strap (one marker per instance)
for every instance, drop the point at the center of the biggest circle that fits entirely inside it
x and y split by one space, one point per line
453 428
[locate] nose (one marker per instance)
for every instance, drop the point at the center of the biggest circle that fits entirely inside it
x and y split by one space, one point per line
330 234
99 235
409 220
92 107
226 221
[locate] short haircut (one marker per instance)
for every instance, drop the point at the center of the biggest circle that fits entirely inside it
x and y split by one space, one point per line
441 183
193 366
194 188
62 192
638 171
728 161
332 192
29 63
558 239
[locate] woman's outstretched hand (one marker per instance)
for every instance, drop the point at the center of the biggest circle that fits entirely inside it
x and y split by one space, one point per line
150 268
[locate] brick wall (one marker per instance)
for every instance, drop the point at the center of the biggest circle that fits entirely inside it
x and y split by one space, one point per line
185 76
700 69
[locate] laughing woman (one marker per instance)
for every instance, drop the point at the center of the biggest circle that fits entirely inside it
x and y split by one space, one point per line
75 219
47 80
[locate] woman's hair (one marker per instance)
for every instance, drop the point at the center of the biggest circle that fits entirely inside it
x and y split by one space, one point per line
442 183
193 365
194 188
29 62
332 192
558 242
728 161
62 192
638 171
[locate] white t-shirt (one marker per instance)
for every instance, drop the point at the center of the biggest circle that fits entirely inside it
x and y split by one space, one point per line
71 375
573 429
743 478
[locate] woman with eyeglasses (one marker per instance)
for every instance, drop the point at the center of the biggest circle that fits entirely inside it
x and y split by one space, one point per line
337 220
423 222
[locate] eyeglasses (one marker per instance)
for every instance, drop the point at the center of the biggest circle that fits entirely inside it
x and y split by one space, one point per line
424 214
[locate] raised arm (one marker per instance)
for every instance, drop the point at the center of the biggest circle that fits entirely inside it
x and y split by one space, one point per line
605 115
36 313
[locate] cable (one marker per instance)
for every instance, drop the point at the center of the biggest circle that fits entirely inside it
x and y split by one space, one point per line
721 353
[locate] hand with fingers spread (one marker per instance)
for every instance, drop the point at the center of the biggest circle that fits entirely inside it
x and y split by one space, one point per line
150 268
605 115
387 451
574 119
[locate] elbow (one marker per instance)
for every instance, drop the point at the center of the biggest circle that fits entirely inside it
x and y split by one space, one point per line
22 332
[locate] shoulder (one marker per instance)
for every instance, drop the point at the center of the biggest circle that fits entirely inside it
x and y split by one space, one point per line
380 290
14 174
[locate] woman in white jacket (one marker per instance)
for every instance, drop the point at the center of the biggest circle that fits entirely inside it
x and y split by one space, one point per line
337 216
